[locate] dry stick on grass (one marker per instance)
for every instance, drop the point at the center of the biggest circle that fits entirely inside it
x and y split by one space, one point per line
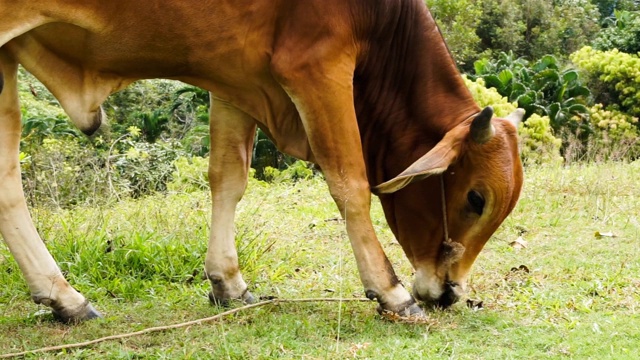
194 322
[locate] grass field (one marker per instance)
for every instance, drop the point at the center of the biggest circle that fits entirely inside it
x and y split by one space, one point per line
568 294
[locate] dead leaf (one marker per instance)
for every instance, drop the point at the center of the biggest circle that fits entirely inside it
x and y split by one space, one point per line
519 243
601 234
357 347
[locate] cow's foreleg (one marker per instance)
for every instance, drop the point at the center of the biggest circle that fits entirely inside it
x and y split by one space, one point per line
324 99
45 281
232 135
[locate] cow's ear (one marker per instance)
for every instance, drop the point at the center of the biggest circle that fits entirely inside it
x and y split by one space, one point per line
434 162
516 117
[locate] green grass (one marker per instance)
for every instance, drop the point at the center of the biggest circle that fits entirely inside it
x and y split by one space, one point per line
140 263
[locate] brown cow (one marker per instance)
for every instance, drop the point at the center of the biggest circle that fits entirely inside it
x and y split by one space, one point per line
365 89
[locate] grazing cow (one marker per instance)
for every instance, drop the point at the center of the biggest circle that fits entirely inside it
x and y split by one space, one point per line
365 89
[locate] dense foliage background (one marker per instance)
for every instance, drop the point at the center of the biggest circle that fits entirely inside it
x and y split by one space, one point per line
573 65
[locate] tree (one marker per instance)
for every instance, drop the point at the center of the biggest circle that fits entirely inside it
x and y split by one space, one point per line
622 32
534 28
457 20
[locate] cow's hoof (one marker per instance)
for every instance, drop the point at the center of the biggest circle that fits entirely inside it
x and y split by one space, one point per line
78 315
409 310
246 298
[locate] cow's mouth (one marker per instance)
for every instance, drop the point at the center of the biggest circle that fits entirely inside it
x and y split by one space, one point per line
438 288
450 293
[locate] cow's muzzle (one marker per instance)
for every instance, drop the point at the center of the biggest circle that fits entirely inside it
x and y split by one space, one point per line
436 284
441 296
452 293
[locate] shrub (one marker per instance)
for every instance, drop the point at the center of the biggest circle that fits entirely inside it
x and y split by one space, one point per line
299 170
616 75
622 33
616 134
139 103
540 88
144 168
538 145
62 173
265 155
42 117
191 174
490 97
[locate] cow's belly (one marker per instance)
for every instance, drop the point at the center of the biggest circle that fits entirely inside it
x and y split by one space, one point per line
233 70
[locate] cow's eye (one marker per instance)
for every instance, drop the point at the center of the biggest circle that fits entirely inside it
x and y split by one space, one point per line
476 201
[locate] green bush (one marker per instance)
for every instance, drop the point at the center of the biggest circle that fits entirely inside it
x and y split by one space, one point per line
616 134
622 33
191 110
266 155
540 88
538 145
489 97
299 170
63 173
42 116
144 168
141 99
191 174
616 75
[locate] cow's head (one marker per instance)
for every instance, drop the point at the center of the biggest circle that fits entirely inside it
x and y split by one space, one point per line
476 167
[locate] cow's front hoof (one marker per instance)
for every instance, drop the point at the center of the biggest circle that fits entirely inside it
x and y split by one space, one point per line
246 298
78 315
406 310
397 303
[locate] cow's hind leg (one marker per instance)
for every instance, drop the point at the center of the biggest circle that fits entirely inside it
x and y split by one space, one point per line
232 135
43 276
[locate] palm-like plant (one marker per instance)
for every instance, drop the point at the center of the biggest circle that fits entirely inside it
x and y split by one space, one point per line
540 87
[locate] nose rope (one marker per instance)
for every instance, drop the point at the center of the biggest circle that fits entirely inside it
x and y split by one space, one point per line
444 209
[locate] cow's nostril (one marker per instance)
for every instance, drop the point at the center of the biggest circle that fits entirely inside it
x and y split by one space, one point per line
449 296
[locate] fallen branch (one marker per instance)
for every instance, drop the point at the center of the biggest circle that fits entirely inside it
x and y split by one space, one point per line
174 326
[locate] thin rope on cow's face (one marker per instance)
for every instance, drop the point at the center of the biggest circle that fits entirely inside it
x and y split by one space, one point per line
450 252
444 209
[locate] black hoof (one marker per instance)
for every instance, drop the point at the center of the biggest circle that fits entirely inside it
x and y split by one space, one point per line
86 312
246 298
410 310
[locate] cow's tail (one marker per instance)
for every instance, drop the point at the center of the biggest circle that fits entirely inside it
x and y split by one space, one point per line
1 81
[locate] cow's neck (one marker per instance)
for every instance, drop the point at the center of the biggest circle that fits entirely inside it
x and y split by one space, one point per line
408 91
